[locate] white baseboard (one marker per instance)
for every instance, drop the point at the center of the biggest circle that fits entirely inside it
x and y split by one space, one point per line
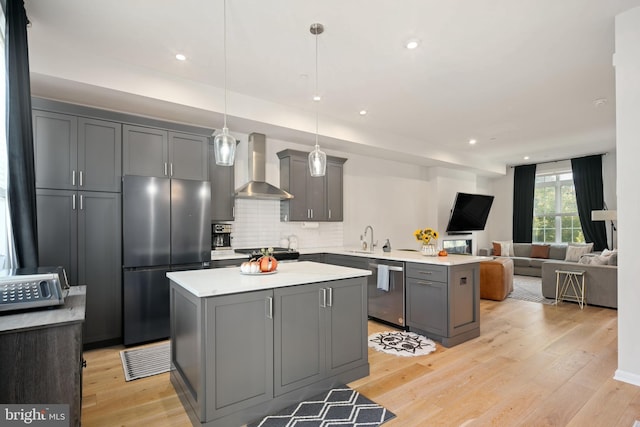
627 377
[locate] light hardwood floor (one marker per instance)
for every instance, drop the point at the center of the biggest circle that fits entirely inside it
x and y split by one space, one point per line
533 365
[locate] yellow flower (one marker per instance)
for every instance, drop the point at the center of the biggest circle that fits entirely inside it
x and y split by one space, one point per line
425 235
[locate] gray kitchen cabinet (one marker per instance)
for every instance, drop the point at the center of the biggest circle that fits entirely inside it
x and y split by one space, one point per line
76 153
145 151
240 356
188 156
335 166
222 190
443 302
318 330
426 305
347 261
312 257
315 198
239 362
160 153
81 231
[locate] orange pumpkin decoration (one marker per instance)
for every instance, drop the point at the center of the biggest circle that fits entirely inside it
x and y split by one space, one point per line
442 253
268 264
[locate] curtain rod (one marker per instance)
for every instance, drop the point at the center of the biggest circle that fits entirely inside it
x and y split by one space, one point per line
559 160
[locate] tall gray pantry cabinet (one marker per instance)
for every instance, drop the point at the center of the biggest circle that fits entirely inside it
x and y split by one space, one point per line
78 174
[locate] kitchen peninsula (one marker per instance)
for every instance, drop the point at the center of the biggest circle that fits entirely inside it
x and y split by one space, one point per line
244 346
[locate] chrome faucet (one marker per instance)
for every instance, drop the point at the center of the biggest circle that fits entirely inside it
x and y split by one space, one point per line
372 245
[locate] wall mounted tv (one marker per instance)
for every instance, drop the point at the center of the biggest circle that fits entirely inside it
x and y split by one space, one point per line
469 213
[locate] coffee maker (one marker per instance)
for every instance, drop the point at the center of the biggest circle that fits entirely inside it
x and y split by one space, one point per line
220 236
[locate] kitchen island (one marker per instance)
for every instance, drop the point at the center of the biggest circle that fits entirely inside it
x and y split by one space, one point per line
441 295
245 346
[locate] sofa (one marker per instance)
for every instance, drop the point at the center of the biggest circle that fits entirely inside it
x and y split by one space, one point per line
523 263
601 281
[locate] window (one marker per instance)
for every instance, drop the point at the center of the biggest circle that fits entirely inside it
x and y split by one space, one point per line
555 212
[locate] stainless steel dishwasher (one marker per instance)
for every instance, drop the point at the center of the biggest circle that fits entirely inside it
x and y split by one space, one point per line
386 300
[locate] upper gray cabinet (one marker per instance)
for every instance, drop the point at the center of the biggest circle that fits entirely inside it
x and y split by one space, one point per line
160 153
222 190
76 153
315 198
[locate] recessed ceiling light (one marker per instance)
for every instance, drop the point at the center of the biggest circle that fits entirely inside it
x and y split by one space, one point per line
316 98
412 44
363 112
180 57
472 141
526 157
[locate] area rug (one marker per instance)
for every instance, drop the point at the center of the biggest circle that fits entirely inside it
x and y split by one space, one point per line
145 362
528 288
340 406
402 343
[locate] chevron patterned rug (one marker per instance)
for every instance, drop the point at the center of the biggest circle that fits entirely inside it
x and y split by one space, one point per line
341 406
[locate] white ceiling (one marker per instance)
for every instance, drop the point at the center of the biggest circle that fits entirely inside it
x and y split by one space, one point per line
520 76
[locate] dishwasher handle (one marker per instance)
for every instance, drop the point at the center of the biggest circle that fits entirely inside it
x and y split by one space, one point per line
391 267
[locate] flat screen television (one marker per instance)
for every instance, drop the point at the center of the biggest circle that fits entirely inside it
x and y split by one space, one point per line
469 213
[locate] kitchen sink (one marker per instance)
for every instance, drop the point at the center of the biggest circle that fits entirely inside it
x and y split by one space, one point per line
354 251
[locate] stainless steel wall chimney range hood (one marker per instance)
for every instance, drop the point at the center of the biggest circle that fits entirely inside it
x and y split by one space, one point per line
257 188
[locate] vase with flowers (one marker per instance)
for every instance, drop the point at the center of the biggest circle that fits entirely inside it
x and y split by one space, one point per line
427 237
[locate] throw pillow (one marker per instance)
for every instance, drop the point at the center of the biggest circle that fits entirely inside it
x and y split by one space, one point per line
506 247
574 253
496 248
540 251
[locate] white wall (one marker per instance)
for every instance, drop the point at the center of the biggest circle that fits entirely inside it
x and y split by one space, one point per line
395 198
627 63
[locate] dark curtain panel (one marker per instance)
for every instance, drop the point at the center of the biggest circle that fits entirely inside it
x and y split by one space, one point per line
524 185
587 179
21 191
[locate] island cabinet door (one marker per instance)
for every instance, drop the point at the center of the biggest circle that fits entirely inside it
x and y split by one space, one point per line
346 325
427 305
239 352
299 336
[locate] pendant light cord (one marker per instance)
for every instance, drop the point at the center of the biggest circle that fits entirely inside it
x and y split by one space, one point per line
224 38
317 94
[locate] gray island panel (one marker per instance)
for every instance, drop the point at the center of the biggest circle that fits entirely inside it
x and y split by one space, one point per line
236 356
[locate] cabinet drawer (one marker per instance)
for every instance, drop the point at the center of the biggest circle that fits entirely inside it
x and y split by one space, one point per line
437 273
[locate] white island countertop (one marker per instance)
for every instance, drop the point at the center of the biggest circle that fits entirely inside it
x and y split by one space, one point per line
402 255
224 281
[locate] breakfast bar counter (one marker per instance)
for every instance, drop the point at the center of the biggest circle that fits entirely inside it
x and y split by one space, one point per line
245 346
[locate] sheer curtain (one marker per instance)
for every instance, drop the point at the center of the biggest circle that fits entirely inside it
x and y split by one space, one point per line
587 179
21 193
524 185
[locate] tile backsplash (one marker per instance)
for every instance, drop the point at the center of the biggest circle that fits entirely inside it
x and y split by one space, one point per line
258 224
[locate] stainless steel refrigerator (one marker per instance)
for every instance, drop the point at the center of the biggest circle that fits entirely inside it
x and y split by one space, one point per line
166 227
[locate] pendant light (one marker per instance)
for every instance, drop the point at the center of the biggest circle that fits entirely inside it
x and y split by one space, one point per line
224 144
317 158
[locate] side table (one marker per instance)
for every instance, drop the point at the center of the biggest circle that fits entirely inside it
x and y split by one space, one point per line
572 287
